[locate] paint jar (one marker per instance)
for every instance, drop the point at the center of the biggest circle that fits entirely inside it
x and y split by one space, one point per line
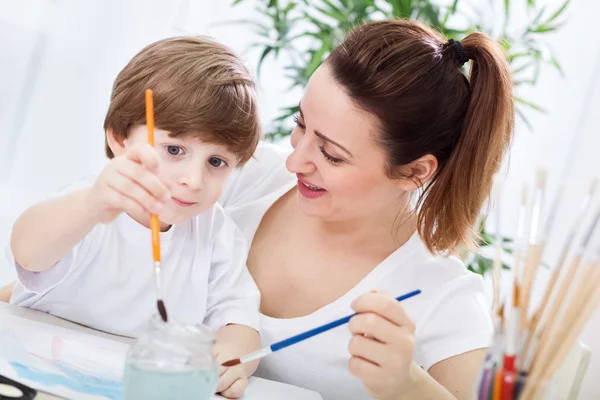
171 361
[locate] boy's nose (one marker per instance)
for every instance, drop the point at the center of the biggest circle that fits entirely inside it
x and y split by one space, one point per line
194 179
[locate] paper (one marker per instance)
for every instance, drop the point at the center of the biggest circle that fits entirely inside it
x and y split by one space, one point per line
76 365
61 361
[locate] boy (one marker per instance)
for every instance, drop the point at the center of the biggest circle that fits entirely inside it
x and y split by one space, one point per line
85 255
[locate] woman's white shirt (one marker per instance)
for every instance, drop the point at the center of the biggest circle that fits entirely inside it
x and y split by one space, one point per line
451 314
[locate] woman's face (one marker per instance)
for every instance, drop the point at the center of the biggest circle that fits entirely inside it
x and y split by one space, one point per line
341 170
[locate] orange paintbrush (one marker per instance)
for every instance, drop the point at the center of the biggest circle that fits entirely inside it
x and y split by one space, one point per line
154 224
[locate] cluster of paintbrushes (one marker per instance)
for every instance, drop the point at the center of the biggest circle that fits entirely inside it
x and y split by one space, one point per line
530 343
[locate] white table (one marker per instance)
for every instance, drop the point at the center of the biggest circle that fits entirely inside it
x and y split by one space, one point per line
257 389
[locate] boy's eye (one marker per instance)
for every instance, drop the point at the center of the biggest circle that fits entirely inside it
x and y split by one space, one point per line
216 162
174 150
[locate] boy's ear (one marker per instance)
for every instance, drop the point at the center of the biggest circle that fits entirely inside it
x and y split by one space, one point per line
115 141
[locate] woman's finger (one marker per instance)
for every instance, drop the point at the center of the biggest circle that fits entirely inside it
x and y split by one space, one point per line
384 305
377 327
236 390
371 350
364 370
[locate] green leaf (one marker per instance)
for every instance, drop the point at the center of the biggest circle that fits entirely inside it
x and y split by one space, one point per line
506 8
318 56
558 12
237 2
513 57
523 67
545 28
529 104
539 16
289 8
335 14
556 64
264 54
531 3
524 119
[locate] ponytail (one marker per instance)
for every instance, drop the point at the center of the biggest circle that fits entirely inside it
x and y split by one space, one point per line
451 205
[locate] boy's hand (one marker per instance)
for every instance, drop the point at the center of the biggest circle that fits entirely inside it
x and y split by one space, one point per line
232 380
129 183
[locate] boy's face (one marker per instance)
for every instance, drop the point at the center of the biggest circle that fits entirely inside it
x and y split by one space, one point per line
194 171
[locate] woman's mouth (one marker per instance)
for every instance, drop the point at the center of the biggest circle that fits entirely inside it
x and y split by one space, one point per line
309 190
182 203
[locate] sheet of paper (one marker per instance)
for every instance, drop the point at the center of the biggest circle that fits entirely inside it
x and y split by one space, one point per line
76 365
60 361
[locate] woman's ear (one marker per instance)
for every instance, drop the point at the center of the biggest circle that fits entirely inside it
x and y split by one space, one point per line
417 173
115 142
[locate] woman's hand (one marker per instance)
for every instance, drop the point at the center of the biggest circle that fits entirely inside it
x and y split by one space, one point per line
382 346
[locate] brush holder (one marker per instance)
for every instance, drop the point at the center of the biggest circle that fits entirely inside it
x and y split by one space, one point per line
171 361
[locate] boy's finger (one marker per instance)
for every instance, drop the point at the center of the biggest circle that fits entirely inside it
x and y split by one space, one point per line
145 155
226 379
148 181
127 204
236 390
132 192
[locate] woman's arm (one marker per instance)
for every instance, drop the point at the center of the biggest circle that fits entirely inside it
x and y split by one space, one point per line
458 374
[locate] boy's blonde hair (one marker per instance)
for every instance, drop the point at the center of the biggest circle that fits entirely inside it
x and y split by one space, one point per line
200 87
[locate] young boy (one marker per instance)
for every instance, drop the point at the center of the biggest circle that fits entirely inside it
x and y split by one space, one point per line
85 255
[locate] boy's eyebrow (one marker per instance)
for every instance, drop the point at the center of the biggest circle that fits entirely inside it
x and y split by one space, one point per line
325 138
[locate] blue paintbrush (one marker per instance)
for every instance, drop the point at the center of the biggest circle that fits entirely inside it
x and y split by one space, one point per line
265 351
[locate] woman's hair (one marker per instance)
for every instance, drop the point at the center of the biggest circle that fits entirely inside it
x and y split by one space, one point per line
410 78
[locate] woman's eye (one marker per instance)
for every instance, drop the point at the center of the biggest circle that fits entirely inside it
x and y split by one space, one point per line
174 150
216 162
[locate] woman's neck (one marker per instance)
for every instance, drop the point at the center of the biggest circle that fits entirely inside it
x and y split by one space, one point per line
386 229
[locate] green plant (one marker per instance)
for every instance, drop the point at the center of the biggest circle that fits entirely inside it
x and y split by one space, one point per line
307 30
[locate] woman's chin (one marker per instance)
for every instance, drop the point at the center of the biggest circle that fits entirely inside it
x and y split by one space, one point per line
316 208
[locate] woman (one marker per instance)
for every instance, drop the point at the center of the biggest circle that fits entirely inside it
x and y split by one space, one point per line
388 118
394 153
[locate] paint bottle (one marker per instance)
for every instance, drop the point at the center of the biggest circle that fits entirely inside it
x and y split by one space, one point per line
171 361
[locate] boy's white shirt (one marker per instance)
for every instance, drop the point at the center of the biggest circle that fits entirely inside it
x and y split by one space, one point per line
107 280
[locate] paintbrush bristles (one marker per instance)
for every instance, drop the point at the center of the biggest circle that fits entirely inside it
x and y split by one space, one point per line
162 310
232 363
542 175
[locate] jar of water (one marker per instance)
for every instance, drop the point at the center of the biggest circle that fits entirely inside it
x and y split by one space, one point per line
171 361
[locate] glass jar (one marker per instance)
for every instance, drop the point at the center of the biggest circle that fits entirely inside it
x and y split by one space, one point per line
171 361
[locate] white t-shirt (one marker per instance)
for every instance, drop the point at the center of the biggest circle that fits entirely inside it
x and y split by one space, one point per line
107 280
450 314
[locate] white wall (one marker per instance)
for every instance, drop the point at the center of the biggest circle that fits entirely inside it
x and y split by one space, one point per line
63 55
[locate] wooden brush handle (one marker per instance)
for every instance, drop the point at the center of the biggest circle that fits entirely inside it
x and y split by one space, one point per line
155 227
154 224
532 262
584 301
